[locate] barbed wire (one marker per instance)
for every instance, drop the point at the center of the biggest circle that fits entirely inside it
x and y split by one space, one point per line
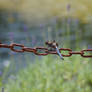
51 49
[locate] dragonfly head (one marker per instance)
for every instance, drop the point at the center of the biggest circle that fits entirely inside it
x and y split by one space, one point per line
52 44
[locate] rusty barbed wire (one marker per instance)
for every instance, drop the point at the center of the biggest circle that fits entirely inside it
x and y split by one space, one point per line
49 50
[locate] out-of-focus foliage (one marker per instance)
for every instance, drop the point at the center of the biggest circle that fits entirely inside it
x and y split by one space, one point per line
54 75
40 10
72 75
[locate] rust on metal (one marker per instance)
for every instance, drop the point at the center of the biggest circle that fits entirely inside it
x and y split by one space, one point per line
51 49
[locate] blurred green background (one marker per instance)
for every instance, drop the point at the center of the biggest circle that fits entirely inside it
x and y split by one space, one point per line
32 22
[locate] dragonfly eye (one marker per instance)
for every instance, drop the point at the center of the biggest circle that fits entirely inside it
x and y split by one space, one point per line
52 44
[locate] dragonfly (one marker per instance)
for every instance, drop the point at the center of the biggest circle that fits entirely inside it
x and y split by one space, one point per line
53 46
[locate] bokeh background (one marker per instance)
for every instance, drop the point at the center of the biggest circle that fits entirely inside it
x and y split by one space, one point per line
32 22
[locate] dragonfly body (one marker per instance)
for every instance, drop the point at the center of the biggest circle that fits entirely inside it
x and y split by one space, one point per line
59 53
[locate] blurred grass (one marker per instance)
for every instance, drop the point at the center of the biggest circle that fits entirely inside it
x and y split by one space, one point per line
54 75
